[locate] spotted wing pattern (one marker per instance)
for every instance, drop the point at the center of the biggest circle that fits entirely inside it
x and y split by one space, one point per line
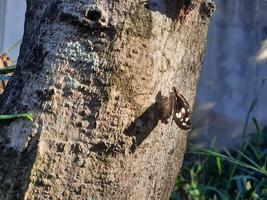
181 111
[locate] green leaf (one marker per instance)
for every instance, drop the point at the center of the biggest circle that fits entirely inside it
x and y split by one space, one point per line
7 70
218 192
252 166
256 125
8 117
219 165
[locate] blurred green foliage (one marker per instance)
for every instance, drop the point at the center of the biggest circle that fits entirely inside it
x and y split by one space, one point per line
234 174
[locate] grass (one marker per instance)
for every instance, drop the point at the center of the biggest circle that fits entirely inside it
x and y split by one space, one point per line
25 116
236 174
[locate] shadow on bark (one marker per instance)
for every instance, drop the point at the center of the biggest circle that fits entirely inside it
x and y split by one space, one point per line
170 9
15 168
143 125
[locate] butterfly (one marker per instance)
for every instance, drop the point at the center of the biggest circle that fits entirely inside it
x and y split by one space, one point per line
181 111
5 61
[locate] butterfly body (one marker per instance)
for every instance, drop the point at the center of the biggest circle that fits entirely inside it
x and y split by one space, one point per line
175 106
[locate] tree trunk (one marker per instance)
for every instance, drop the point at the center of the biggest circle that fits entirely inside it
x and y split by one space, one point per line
90 73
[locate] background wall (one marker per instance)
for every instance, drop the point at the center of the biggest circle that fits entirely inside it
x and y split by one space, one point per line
2 22
11 24
230 76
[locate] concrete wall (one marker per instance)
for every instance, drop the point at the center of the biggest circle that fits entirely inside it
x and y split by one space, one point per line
11 24
231 75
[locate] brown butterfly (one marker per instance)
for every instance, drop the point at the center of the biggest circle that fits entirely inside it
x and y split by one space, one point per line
181 111
5 61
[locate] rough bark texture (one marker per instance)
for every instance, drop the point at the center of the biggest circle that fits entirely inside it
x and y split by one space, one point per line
90 73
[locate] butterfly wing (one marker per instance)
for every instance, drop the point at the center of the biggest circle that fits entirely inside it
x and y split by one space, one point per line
181 112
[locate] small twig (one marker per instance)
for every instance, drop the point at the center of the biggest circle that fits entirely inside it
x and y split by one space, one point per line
15 45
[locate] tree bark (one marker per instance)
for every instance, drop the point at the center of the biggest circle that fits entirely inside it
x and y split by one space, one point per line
90 73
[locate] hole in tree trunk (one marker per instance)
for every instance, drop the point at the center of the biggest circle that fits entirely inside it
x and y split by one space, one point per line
93 15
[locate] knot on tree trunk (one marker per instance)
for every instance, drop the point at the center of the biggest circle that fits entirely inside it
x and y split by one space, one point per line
207 8
89 15
96 16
